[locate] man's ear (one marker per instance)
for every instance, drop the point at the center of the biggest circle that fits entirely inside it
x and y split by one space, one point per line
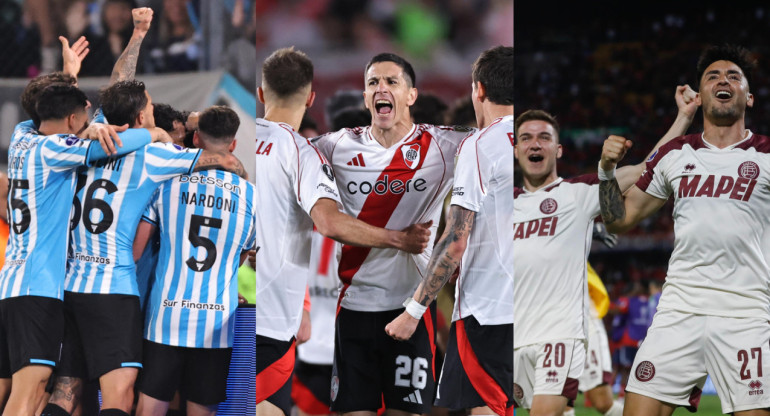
231 148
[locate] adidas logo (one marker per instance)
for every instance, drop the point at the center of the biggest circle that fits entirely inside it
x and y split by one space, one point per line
414 397
357 161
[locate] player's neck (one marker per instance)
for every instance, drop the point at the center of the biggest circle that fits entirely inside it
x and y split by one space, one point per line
391 136
50 127
532 184
290 116
724 136
492 112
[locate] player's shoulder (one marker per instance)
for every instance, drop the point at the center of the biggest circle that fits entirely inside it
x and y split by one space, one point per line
692 142
454 134
333 137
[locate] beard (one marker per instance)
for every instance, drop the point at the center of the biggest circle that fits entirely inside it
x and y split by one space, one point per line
724 116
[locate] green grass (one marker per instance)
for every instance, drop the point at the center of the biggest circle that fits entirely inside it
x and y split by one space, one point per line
709 406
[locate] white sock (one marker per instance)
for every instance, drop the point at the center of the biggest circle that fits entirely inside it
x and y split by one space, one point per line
615 410
570 412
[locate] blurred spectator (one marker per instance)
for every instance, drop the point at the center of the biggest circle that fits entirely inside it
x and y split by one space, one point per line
461 113
308 127
428 109
117 27
99 60
351 117
241 47
629 326
341 101
176 48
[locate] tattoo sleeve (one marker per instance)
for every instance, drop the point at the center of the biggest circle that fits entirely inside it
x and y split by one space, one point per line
125 67
445 260
611 201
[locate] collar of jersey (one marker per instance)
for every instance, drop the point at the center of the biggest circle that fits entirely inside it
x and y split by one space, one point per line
730 147
544 188
373 140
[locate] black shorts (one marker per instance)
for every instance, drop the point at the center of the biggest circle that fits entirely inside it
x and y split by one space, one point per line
102 333
478 367
311 388
372 369
200 374
275 366
31 331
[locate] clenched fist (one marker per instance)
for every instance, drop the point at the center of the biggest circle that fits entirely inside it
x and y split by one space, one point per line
615 147
142 18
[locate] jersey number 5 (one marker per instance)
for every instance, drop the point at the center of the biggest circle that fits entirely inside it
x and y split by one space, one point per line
196 222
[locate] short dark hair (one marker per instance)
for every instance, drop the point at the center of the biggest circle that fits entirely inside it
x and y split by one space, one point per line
530 115
351 117
122 102
165 116
219 123
461 112
59 101
494 70
428 109
35 86
401 62
308 123
287 71
726 52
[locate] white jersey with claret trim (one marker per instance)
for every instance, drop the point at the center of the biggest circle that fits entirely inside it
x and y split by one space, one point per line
552 240
291 176
206 220
721 201
483 183
110 199
391 188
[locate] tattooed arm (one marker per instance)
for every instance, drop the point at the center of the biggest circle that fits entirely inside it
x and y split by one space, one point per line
125 66
445 260
622 212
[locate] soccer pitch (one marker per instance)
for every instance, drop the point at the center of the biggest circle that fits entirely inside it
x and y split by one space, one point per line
709 406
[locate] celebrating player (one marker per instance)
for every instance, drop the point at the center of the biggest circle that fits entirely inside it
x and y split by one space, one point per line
478 368
713 316
297 189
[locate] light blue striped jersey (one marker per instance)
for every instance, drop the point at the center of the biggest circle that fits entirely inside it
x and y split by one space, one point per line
111 197
41 172
206 220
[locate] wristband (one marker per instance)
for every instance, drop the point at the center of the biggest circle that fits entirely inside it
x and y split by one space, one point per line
606 175
414 308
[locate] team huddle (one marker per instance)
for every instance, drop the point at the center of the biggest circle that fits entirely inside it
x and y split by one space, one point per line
379 190
85 198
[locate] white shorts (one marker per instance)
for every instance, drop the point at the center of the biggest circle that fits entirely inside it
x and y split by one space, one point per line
598 368
547 368
681 349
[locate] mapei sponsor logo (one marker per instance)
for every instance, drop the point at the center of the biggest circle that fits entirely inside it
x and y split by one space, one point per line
756 388
696 186
541 227
385 185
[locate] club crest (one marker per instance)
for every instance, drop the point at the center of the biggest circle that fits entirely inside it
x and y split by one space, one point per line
411 153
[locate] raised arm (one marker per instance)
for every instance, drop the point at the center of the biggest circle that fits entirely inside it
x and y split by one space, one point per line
351 231
621 212
72 56
687 107
125 66
445 260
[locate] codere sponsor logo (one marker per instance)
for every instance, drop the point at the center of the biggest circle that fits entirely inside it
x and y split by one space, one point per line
385 186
